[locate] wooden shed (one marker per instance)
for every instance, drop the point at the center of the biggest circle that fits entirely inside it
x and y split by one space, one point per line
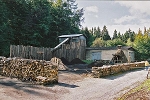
105 53
71 46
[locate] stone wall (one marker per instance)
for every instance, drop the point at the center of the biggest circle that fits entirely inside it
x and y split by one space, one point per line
98 72
39 71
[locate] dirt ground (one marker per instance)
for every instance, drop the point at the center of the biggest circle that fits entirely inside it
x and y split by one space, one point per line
72 86
13 89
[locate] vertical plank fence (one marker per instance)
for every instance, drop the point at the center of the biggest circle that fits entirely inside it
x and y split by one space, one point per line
30 52
68 51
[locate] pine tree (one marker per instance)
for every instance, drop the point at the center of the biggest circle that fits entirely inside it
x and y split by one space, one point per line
89 36
115 35
119 36
105 35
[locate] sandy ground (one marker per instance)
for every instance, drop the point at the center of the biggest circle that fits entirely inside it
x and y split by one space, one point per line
72 86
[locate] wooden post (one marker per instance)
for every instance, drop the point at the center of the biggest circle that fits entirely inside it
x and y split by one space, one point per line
10 50
43 53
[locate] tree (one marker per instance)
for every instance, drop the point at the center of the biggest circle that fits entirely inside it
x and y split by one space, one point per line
114 43
89 36
129 42
132 36
97 32
115 35
98 42
126 36
105 35
119 36
37 22
141 45
5 30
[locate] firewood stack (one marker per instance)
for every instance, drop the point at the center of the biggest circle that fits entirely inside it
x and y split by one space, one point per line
1 64
125 67
98 72
29 70
115 69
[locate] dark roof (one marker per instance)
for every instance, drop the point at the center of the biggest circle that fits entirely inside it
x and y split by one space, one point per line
71 35
110 48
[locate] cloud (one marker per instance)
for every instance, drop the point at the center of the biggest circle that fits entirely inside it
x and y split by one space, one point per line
123 28
124 19
136 7
139 12
96 16
93 9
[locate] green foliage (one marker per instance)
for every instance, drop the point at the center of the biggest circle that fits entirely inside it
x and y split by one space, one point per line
88 61
119 36
99 42
96 32
40 22
128 34
89 36
115 35
37 22
129 42
115 42
142 46
105 34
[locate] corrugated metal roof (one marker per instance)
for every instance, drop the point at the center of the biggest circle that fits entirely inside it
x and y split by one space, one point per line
110 48
71 35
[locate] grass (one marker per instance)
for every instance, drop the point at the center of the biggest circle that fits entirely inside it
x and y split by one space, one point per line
87 61
143 86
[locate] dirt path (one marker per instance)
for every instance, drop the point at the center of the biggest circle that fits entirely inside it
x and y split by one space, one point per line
72 87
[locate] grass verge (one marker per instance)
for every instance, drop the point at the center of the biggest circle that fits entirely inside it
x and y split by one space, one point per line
142 91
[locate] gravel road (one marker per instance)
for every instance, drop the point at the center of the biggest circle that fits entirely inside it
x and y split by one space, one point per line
72 86
107 88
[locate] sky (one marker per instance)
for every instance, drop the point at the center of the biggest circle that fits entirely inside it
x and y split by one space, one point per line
119 15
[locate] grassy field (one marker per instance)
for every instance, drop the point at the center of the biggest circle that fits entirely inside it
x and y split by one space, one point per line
141 92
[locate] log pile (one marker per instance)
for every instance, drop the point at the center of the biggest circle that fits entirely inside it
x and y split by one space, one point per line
58 62
98 72
115 69
29 70
1 64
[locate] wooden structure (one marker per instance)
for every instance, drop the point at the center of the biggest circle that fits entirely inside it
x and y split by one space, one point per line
73 47
30 52
70 47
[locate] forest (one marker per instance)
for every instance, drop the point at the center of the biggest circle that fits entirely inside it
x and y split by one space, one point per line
39 23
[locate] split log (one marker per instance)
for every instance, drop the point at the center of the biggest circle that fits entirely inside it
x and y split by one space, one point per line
28 70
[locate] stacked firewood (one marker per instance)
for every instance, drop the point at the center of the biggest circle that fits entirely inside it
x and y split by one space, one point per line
1 64
125 67
98 72
115 69
29 70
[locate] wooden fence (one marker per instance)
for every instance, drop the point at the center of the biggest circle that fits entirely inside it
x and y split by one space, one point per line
68 51
30 52
72 50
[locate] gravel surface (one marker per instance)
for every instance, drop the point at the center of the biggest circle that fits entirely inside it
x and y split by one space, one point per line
72 86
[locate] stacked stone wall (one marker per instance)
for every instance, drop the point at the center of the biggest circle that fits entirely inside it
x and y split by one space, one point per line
98 72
